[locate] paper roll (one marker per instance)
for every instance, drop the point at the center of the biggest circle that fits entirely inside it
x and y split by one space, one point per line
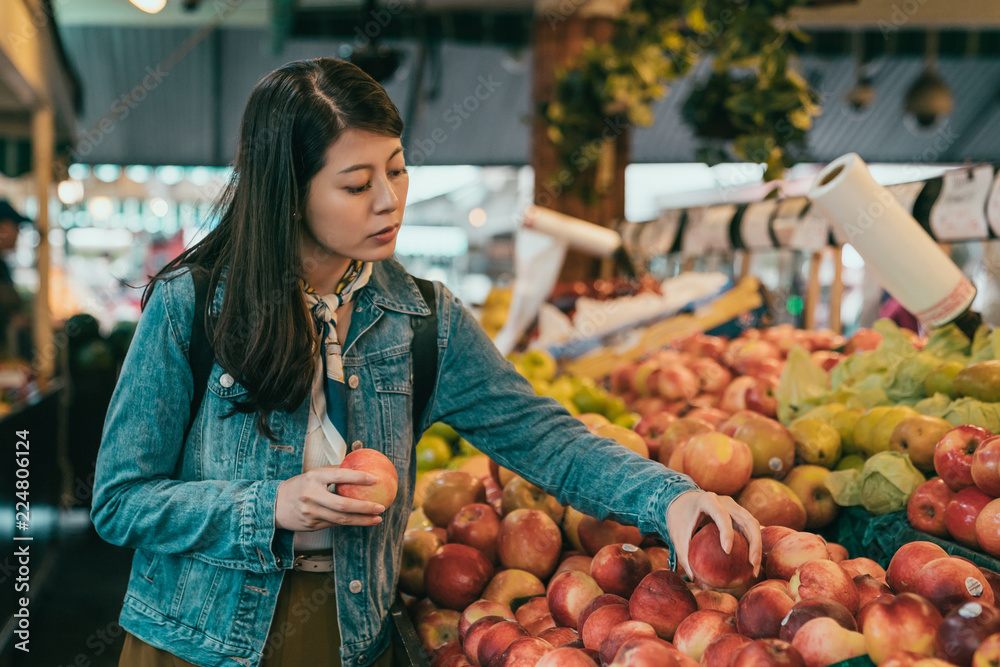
900 254
581 235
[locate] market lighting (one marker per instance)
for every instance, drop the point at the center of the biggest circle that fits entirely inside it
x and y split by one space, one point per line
100 208
139 173
108 173
150 6
70 192
477 217
159 207
170 175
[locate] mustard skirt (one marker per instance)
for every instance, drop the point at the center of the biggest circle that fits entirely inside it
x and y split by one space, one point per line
296 639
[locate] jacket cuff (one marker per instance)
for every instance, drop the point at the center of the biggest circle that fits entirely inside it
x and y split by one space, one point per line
262 541
655 520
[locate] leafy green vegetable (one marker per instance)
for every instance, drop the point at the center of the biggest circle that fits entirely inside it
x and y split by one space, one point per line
844 486
971 411
803 386
906 379
948 343
887 481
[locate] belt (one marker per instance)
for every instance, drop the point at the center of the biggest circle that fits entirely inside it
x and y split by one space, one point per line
313 563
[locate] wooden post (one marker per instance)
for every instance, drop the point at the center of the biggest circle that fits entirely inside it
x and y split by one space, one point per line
560 32
813 291
837 289
42 151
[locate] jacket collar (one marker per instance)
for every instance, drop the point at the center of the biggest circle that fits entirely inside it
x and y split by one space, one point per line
392 288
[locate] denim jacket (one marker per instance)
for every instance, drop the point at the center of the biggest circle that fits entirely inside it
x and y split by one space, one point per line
199 513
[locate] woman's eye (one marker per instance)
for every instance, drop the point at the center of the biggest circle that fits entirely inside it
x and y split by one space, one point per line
357 191
398 172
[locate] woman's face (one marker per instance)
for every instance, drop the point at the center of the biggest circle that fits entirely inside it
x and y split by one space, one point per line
355 203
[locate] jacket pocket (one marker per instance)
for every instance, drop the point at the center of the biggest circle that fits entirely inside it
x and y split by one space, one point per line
392 376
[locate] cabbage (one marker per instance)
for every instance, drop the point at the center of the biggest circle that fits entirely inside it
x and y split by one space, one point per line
971 411
887 482
906 380
844 486
804 385
985 345
935 406
949 343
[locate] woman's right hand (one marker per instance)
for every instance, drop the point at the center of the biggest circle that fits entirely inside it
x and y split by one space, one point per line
305 502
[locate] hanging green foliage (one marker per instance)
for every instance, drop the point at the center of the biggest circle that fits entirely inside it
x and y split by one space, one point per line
752 106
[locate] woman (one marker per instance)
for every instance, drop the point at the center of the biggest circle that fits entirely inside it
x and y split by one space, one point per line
244 556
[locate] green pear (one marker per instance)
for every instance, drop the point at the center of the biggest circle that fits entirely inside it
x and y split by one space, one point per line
882 434
864 428
917 437
442 430
940 380
845 421
979 381
825 412
816 442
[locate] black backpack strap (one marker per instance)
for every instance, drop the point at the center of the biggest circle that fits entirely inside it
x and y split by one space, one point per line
424 352
200 354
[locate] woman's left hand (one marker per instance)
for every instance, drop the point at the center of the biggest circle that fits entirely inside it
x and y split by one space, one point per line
685 512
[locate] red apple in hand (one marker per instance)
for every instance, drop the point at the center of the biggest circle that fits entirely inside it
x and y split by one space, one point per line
478 526
907 562
926 507
711 567
953 454
375 463
986 466
961 513
905 622
456 575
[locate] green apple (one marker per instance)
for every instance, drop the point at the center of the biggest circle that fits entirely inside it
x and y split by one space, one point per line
939 380
615 407
816 442
432 452
589 398
465 447
442 430
628 420
538 364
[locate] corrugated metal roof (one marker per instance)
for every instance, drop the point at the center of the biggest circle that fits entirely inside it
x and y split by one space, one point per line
192 115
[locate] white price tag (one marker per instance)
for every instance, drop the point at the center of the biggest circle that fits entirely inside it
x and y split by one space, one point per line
755 226
993 207
959 214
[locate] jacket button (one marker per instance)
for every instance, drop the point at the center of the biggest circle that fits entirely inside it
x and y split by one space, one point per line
362 657
356 445
355 587
226 380
358 309
353 382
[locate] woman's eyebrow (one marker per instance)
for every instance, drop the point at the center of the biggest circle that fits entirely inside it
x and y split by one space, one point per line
359 167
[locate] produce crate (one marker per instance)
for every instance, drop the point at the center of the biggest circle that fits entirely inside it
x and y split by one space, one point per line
406 648
879 536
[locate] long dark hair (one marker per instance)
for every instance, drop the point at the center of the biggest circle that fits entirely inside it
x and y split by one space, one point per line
264 336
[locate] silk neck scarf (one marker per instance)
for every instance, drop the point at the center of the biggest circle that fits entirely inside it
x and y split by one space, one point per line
327 427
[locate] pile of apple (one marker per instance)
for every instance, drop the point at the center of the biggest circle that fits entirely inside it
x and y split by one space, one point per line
963 502
524 581
718 375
